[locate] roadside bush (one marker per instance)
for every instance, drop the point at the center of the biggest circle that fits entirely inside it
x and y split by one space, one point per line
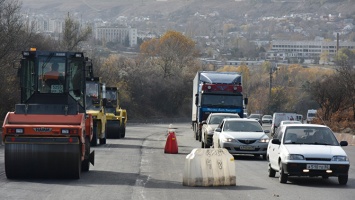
340 121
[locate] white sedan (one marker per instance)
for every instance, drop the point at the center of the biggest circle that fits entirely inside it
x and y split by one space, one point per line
241 136
210 124
307 150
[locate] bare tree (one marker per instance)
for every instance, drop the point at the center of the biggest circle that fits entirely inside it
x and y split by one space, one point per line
74 34
13 38
329 94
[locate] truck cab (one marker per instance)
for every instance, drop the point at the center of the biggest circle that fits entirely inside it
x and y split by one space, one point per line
216 92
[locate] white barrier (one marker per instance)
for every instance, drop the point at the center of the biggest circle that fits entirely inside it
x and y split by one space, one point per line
209 167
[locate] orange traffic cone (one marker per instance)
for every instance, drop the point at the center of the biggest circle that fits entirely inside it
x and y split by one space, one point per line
171 144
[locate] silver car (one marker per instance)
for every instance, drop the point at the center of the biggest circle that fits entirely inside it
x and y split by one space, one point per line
241 136
210 124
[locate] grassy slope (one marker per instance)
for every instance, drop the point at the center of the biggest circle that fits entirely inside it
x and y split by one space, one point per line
148 7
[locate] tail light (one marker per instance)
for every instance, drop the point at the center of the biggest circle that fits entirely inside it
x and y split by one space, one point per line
14 130
69 131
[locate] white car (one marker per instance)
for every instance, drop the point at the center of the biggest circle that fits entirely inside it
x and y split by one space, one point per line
210 124
278 117
307 150
241 136
266 119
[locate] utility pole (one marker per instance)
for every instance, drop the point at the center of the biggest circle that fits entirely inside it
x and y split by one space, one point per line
270 86
272 67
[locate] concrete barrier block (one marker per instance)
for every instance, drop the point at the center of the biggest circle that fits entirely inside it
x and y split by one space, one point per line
209 167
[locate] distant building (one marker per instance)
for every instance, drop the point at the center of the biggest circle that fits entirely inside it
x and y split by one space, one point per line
242 62
304 49
117 34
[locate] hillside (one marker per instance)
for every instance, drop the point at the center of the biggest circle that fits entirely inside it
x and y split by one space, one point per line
112 8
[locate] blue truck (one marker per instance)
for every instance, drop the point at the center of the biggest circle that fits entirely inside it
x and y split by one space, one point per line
216 92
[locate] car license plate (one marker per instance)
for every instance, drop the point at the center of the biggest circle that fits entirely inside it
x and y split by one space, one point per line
247 148
318 167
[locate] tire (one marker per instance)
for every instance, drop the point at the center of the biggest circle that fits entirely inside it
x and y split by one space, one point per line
283 177
199 135
272 172
85 165
264 156
123 131
202 144
343 179
102 140
93 142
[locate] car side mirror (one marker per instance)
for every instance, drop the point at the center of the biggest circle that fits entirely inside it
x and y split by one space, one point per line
275 141
344 143
204 122
266 131
218 129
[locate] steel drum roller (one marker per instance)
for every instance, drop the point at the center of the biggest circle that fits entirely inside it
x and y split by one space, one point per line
113 129
42 157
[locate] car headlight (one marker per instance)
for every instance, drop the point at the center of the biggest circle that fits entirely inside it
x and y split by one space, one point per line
340 158
295 157
228 140
264 140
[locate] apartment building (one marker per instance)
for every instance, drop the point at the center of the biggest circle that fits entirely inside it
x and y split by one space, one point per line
117 34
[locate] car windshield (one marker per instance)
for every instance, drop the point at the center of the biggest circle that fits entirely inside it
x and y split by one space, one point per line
311 114
267 117
309 135
242 126
216 119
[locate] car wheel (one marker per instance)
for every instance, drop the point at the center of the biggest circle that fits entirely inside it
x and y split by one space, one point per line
283 177
272 172
343 179
202 144
264 156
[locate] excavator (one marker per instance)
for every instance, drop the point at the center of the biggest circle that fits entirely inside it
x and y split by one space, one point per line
115 115
49 132
96 101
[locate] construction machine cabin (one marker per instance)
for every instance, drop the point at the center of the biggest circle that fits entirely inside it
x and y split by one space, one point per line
49 133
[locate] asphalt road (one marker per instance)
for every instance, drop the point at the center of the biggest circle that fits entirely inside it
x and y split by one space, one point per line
136 167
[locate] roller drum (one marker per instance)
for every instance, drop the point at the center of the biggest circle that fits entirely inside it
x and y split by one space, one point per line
42 160
113 129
